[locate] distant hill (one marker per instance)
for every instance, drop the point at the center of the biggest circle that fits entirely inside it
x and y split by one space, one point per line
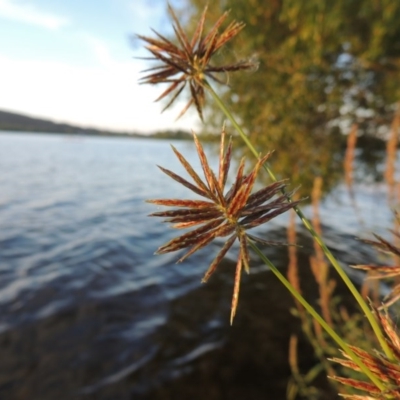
11 121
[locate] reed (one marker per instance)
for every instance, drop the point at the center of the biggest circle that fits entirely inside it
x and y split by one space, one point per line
188 63
391 149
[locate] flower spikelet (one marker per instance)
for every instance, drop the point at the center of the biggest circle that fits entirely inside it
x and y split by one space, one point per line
188 62
221 213
387 371
385 271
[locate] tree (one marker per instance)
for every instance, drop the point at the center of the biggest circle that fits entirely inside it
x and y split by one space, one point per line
323 66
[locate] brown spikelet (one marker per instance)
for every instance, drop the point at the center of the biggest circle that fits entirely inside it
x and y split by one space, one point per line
319 266
386 370
220 213
349 156
188 62
391 152
235 297
385 271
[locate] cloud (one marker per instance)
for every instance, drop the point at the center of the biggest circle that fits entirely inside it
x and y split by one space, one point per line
27 13
105 96
147 15
101 52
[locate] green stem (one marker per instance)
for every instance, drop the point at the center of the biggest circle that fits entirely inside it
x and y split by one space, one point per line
319 319
372 320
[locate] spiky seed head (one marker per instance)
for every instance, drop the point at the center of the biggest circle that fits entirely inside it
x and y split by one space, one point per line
185 62
221 213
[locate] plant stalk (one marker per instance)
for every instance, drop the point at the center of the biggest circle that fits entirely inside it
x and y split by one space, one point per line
372 320
310 309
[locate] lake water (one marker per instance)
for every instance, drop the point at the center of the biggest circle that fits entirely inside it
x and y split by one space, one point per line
87 310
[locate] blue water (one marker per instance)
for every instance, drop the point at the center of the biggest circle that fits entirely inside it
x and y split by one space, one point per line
87 311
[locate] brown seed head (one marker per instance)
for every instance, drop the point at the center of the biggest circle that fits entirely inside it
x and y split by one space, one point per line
188 62
385 271
387 371
221 213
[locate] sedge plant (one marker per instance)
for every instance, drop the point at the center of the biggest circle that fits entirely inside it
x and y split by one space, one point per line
188 63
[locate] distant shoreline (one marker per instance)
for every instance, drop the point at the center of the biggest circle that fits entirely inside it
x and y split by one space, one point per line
157 135
14 122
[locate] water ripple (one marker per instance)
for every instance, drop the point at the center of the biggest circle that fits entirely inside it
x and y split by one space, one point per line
87 311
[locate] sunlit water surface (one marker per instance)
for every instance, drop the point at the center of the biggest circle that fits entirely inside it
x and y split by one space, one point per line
88 312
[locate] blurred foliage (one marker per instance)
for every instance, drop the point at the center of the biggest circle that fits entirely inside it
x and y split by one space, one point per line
322 67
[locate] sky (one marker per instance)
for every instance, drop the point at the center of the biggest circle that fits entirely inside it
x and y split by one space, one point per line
74 61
